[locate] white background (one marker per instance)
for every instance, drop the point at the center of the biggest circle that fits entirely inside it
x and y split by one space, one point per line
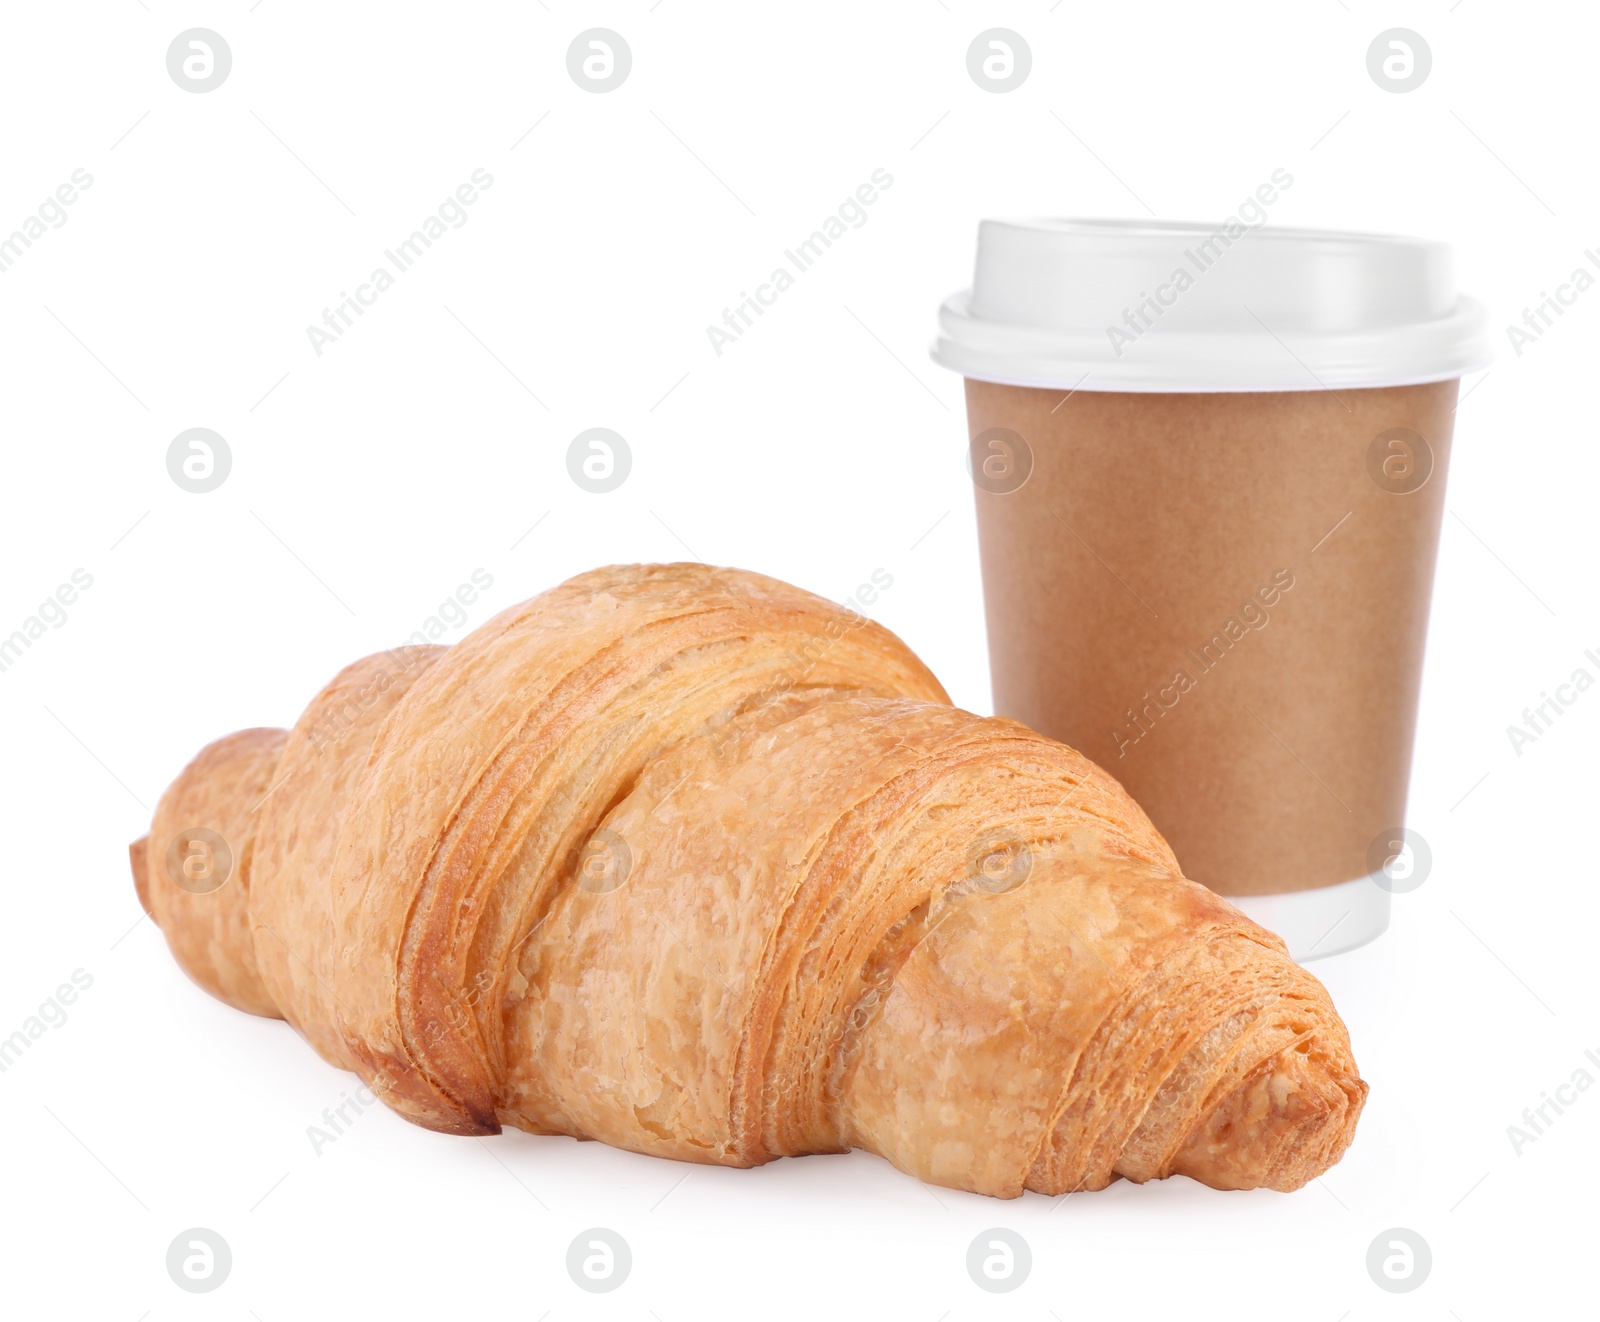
369 482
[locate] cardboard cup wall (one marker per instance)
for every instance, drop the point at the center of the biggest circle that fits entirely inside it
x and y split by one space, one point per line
1210 473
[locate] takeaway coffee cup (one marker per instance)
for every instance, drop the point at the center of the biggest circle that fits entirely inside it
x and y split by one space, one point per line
1209 467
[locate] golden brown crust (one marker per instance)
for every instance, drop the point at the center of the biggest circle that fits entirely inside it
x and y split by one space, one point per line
206 919
323 761
767 866
699 864
505 756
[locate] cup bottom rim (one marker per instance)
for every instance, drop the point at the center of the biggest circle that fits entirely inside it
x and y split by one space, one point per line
1327 920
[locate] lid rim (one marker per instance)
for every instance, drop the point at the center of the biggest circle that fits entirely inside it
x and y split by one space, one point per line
1172 386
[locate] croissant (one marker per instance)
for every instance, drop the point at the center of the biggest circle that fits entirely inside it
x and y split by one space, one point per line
701 865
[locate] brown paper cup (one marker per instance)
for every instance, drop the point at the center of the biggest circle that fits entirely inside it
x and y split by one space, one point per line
1223 600
1221 596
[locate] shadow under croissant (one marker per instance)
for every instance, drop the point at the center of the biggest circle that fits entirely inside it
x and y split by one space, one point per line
700 865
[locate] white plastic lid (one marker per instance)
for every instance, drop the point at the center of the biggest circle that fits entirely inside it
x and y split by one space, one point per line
1157 306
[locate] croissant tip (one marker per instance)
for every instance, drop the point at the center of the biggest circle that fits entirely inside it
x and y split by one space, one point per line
138 860
1302 1113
